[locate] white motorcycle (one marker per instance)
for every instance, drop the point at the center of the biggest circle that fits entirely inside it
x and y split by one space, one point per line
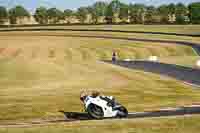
100 107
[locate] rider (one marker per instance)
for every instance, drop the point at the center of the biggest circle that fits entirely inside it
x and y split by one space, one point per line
93 94
114 56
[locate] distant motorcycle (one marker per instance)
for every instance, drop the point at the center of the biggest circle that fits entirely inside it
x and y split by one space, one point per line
100 107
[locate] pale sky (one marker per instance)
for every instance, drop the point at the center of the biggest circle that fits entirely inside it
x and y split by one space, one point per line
74 4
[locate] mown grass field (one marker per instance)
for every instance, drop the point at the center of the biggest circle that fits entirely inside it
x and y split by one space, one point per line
188 61
43 74
187 124
181 29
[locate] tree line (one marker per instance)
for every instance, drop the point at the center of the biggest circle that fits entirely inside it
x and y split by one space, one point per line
110 13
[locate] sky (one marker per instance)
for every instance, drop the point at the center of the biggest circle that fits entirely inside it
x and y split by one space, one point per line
74 4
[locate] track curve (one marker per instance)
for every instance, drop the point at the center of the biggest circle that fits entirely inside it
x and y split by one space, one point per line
175 71
178 72
188 75
195 46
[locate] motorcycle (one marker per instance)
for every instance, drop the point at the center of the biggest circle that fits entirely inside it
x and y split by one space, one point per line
100 107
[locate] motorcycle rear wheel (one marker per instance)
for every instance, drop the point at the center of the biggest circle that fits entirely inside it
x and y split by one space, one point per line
95 111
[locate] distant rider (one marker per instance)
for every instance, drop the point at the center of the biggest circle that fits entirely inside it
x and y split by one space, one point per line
114 56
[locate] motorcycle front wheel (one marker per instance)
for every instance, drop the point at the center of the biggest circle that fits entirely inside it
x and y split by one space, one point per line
122 112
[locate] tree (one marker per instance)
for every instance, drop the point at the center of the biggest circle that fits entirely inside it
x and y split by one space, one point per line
41 15
17 12
181 12
81 14
124 12
98 10
89 15
112 10
163 12
150 13
3 14
109 14
54 15
137 12
172 8
194 9
68 14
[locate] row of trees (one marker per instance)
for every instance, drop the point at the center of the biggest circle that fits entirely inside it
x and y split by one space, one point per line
111 12
13 14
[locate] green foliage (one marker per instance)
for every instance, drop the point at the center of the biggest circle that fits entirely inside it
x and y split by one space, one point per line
17 12
109 14
136 13
82 14
3 14
98 10
112 9
150 13
115 4
163 11
194 15
112 12
68 13
172 8
54 15
41 15
181 12
124 12
181 19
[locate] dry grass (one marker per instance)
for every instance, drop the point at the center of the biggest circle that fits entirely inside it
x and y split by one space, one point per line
41 75
189 61
48 73
182 29
157 125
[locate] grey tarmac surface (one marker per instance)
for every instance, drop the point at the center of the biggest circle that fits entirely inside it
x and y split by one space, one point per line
78 116
188 75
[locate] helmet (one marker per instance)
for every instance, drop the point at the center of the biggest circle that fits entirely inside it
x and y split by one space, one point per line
95 94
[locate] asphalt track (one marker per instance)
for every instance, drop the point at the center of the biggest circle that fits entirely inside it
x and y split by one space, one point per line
180 111
189 75
78 116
